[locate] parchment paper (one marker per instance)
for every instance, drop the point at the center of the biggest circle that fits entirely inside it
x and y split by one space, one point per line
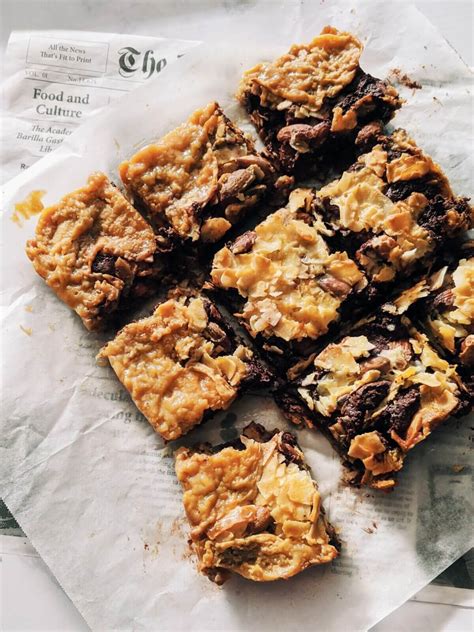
82 471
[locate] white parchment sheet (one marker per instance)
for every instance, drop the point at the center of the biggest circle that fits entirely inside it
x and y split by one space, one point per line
52 81
84 474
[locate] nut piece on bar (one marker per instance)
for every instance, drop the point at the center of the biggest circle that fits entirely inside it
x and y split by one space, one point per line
181 364
443 304
311 103
393 209
93 248
286 283
198 180
254 508
376 393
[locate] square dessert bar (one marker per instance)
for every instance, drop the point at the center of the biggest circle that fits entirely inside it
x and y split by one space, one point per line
285 282
94 250
443 305
393 210
254 508
198 180
310 104
181 364
376 393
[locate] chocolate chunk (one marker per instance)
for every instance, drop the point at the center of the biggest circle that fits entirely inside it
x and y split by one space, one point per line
445 217
355 96
382 331
219 337
288 446
369 135
402 189
399 413
104 263
334 286
359 403
244 243
293 409
257 375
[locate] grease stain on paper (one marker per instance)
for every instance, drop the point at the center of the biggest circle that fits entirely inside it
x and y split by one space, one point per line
31 205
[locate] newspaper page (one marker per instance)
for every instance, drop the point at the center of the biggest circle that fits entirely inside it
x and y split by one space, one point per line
53 81
86 477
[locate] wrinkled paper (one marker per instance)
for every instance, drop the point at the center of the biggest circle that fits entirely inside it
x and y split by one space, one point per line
84 474
54 80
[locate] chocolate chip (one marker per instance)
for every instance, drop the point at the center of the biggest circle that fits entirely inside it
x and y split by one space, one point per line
399 413
369 135
103 264
404 188
359 403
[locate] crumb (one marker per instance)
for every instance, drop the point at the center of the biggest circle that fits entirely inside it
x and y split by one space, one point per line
458 468
437 100
374 524
29 308
28 331
146 546
397 75
367 530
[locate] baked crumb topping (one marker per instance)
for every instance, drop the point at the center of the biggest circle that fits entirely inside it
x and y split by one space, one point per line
173 370
368 389
252 511
306 75
292 284
90 226
204 162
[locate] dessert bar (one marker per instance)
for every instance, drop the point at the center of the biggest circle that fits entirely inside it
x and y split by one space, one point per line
376 393
94 250
393 210
254 508
286 285
310 104
181 364
198 180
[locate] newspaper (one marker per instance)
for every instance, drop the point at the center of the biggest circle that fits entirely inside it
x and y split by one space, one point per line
55 80
83 473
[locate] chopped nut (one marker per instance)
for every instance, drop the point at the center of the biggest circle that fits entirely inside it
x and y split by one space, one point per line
244 243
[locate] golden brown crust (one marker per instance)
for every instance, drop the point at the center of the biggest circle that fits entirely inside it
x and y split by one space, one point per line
203 167
94 221
173 371
252 511
306 75
292 284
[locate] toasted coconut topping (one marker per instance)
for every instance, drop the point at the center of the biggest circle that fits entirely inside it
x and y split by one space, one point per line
293 285
400 389
252 511
307 74
453 323
90 247
172 369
